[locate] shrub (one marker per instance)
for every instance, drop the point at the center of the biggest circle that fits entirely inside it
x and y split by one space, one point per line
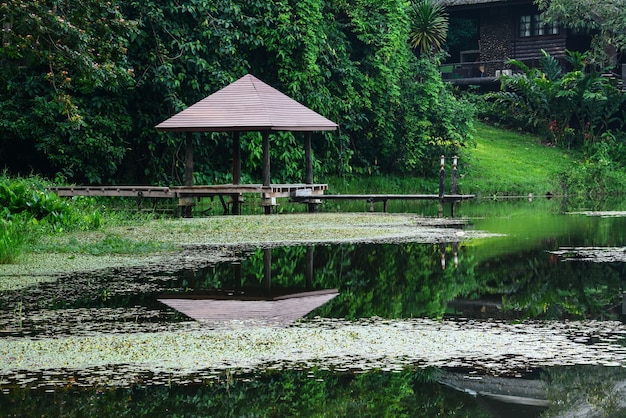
30 197
598 174
13 240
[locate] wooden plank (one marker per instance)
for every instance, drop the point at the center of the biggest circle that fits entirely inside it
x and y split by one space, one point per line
112 191
383 197
274 190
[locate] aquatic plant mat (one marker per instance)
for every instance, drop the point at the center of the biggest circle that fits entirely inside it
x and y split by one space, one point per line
214 237
59 331
196 351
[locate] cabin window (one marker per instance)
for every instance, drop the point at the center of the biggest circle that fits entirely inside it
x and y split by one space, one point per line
552 28
524 26
538 26
532 25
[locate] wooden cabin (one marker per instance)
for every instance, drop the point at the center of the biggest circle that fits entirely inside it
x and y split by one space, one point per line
502 30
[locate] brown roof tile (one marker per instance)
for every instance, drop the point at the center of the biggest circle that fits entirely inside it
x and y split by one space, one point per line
247 104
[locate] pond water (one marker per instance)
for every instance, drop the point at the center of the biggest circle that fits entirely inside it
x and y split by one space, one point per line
529 322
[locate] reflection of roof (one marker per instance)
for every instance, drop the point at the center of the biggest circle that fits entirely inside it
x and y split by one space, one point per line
278 311
247 104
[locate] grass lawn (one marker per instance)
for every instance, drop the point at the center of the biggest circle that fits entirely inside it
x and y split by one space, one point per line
510 163
503 163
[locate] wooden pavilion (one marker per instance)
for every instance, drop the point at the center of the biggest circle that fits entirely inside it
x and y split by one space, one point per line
248 104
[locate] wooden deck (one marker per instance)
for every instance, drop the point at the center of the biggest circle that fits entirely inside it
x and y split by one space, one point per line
312 194
271 191
187 195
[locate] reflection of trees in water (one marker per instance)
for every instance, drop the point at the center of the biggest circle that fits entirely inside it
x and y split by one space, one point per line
272 394
399 281
386 280
389 280
539 285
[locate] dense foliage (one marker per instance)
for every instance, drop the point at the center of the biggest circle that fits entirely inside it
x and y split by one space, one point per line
64 77
82 86
575 107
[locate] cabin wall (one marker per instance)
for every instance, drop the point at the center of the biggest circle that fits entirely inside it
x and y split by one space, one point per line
499 40
530 48
496 38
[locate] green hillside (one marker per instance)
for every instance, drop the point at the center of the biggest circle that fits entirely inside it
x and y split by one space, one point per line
509 163
503 163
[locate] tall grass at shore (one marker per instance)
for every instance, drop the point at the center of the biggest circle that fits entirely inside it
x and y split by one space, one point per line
13 240
28 210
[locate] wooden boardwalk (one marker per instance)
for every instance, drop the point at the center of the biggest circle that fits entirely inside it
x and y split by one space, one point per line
187 195
385 198
271 191
312 194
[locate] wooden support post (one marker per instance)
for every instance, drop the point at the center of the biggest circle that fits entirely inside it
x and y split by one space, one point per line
236 158
189 159
266 168
455 253
309 266
266 159
442 180
236 171
308 157
455 161
237 274
187 203
442 253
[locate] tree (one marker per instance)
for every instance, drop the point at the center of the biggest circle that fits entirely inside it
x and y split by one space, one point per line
604 20
429 26
82 87
63 75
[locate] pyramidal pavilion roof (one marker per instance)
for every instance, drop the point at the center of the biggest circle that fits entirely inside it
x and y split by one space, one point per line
247 104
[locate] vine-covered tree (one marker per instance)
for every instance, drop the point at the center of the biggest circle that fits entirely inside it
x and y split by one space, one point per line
63 80
82 87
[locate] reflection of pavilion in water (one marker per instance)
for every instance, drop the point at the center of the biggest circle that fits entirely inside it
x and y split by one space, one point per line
455 254
268 305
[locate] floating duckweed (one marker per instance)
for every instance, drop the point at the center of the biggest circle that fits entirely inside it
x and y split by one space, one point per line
122 359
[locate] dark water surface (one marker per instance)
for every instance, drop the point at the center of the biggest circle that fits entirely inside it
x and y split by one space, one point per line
553 265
